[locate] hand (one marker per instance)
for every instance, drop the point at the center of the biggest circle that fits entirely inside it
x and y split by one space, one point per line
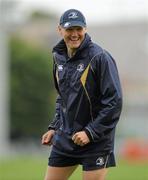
80 138
47 137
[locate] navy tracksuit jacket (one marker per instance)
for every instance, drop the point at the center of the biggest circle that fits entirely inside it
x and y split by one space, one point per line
90 99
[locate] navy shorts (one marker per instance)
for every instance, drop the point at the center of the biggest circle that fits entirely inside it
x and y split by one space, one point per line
88 163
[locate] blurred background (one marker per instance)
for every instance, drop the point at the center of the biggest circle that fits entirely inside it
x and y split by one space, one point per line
27 95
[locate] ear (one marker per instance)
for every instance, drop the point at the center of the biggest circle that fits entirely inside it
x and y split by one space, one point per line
59 29
85 30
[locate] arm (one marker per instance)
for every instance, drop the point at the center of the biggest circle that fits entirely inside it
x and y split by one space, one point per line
110 98
55 124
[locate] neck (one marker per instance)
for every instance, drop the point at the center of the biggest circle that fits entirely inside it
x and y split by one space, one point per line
71 52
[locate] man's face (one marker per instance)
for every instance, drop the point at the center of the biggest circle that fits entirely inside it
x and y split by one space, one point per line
73 36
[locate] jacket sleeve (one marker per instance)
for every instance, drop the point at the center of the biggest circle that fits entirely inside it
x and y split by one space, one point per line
110 98
55 124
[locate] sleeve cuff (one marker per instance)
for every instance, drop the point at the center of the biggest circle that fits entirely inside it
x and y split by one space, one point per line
51 128
88 134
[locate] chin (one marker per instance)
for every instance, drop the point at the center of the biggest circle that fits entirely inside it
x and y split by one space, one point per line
74 46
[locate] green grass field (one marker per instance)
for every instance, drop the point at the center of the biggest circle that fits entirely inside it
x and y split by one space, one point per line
33 168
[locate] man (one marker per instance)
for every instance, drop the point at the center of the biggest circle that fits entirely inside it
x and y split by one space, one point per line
88 105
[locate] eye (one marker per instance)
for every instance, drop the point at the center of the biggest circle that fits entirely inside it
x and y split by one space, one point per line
69 29
79 28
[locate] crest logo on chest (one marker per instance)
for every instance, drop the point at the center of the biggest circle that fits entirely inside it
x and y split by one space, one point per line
80 67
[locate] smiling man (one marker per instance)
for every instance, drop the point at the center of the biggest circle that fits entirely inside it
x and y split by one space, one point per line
73 38
88 105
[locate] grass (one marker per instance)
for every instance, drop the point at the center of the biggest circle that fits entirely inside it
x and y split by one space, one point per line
33 168
22 168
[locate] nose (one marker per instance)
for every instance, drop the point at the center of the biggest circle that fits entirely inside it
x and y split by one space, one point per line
74 32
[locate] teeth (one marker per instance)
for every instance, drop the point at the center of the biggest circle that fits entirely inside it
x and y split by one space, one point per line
74 39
